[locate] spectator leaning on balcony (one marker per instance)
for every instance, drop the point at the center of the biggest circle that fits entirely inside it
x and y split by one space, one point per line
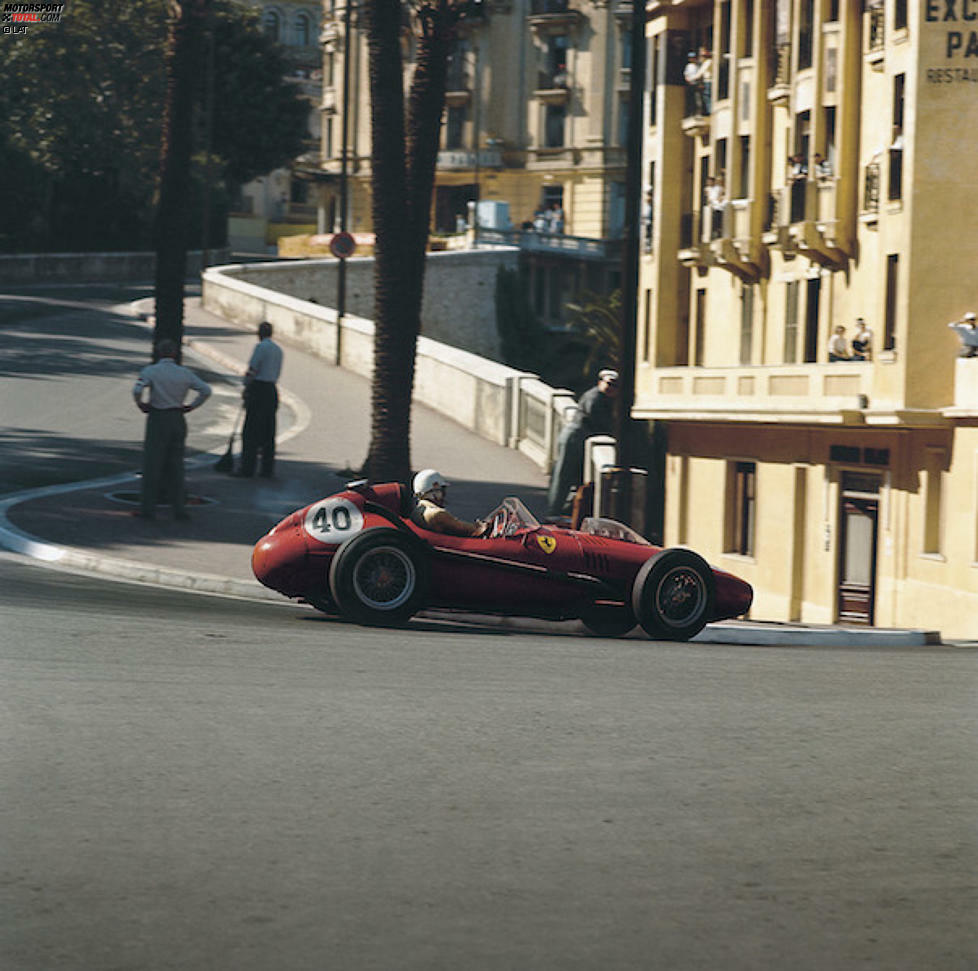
694 102
594 416
839 346
704 79
967 329
823 167
862 343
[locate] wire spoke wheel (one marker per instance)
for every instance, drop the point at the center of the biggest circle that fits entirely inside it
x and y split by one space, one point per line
680 596
385 578
379 577
673 595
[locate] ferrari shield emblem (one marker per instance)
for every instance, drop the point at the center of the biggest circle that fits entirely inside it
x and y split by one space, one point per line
547 543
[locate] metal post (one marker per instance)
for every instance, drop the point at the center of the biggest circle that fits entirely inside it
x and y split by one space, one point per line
475 128
630 255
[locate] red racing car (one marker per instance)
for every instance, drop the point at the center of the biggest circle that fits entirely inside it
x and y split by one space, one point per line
358 554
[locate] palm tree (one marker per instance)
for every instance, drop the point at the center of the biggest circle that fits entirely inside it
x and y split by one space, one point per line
183 63
404 151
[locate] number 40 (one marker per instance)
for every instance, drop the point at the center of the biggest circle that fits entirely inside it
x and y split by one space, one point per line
327 520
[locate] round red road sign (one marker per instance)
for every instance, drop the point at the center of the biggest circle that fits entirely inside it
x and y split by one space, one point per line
342 245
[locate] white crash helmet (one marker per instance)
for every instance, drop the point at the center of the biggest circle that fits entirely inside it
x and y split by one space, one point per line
428 481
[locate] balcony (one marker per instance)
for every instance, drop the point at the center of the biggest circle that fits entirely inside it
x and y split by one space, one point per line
556 244
870 210
552 16
732 246
694 248
834 394
553 87
780 89
876 37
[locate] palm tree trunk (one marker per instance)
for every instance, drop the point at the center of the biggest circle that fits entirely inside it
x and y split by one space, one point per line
183 54
402 181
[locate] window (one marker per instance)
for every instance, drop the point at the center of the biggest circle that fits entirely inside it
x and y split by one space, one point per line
933 493
654 87
900 15
553 126
328 140
895 182
647 327
805 34
553 69
623 122
791 322
455 78
454 126
272 25
700 327
889 316
748 15
616 210
302 30
722 62
329 74
746 323
741 506
743 187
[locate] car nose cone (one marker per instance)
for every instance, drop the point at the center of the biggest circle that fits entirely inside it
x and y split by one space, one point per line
277 558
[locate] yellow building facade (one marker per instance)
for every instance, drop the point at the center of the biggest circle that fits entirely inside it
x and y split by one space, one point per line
535 107
825 174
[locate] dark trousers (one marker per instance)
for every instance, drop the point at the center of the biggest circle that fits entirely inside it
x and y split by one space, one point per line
568 470
258 435
163 446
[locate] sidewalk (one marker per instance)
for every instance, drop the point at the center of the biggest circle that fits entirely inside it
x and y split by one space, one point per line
323 436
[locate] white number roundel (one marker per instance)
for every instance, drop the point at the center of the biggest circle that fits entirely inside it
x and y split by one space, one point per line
333 520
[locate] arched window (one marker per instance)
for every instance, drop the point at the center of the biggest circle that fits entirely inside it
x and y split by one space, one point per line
272 25
302 29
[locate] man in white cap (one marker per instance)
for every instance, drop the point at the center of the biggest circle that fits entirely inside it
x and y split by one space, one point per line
595 415
430 512
967 329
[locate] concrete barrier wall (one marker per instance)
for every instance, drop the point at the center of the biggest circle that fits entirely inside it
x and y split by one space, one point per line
501 404
32 268
470 325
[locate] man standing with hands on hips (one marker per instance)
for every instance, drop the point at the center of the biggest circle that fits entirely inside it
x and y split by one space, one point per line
166 428
261 403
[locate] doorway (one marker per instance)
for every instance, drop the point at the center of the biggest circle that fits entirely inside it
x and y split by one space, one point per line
858 533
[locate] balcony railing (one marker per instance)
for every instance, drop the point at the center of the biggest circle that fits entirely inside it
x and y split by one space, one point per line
821 392
877 20
582 247
781 65
871 188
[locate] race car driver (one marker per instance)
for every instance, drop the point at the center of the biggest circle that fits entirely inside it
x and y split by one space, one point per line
430 512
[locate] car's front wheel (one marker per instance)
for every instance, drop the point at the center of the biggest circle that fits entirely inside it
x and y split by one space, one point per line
379 578
673 595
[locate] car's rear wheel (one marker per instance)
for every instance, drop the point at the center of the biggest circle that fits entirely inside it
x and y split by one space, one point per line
608 620
673 595
379 578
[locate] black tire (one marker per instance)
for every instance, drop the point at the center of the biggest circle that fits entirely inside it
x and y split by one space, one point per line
379 578
609 620
673 595
323 602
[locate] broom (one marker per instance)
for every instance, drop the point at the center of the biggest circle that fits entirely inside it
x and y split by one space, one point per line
226 462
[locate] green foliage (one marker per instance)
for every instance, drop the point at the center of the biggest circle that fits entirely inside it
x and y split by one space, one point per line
81 106
595 322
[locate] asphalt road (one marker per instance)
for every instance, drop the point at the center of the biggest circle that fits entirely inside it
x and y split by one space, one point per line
67 366
196 783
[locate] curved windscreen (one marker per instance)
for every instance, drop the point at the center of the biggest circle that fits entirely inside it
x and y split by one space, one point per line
612 529
510 517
